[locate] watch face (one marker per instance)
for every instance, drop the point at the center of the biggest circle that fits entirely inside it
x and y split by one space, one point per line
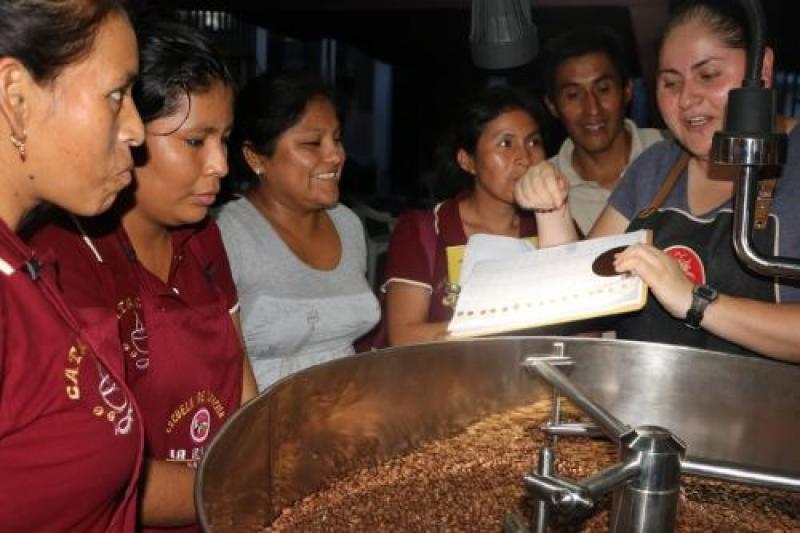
705 292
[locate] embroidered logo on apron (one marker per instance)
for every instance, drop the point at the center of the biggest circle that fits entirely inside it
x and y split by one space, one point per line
200 426
689 261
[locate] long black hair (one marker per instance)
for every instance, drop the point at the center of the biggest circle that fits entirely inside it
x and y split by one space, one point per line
466 127
175 60
727 20
48 35
269 105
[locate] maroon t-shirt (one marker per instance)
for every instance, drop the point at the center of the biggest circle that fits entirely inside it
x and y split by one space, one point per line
407 261
70 434
183 356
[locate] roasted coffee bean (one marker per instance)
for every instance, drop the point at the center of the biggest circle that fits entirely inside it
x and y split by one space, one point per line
470 481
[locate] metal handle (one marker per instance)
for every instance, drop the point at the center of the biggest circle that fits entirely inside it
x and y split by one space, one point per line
610 425
742 220
558 491
572 429
572 495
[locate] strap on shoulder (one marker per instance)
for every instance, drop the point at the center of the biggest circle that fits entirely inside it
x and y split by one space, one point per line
668 185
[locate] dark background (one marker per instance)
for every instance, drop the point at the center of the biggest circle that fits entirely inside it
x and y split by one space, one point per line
426 44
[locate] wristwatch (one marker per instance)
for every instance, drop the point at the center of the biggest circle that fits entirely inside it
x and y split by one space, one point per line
702 295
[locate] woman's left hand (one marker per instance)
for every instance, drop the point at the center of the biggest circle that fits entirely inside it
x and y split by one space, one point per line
667 281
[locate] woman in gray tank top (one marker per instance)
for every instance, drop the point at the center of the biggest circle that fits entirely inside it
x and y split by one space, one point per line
298 256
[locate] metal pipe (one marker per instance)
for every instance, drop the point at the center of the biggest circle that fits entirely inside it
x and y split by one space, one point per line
738 474
572 429
558 491
749 139
742 221
611 478
545 468
611 426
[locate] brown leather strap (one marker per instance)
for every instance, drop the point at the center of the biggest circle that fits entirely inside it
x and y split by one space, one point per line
668 185
782 123
766 189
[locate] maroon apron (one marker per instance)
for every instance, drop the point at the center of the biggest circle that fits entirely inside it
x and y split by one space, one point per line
186 370
450 232
80 427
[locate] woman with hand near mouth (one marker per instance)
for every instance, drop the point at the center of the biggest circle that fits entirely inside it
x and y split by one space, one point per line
298 256
703 296
158 261
494 140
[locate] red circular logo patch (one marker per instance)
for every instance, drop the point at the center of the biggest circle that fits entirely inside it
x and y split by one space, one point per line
689 261
201 425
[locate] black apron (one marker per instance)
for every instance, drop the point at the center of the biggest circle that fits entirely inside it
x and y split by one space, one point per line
704 249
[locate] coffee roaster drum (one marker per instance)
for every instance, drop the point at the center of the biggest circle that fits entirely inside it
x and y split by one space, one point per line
329 420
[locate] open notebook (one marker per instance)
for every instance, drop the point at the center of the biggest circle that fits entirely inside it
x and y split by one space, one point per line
529 288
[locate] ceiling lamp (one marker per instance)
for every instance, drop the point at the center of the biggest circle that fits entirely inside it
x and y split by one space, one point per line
502 34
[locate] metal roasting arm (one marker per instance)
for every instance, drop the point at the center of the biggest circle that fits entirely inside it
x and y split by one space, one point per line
571 495
611 426
572 429
546 467
738 474
611 478
558 491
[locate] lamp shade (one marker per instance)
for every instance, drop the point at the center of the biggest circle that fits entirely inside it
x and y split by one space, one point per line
502 34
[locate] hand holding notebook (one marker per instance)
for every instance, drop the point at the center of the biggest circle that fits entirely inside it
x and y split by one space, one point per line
547 286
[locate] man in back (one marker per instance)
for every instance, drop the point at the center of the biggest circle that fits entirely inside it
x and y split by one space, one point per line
588 91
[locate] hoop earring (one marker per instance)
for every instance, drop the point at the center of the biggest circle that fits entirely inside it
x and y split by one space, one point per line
20 145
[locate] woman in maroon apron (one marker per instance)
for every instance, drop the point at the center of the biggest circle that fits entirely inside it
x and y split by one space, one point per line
493 140
70 433
159 263
703 295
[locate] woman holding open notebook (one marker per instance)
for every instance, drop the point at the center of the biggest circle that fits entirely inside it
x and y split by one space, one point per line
493 142
675 190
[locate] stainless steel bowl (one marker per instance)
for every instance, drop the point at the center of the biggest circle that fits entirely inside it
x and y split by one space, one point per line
329 420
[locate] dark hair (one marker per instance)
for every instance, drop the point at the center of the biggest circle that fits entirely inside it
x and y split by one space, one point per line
579 42
470 120
725 19
267 107
175 59
48 35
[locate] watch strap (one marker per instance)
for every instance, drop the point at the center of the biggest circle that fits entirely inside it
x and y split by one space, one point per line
702 295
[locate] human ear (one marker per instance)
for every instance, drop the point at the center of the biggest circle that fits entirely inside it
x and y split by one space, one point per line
465 161
13 105
767 69
253 159
627 92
